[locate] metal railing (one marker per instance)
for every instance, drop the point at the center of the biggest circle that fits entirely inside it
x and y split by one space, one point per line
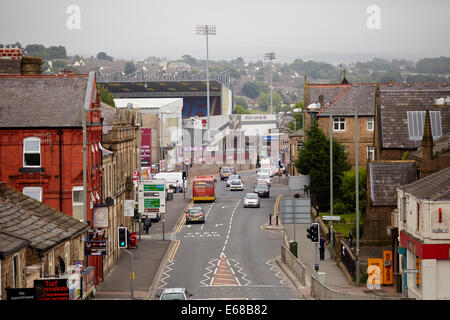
296 267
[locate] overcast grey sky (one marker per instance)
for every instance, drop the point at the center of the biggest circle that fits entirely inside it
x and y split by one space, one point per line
327 30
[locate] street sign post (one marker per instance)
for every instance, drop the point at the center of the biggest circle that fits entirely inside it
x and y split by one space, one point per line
334 218
152 198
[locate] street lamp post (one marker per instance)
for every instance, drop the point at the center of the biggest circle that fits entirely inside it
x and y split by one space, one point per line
270 56
206 30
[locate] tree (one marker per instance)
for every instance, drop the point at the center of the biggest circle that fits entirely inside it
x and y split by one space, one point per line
105 95
103 56
240 101
314 160
347 194
240 110
298 123
129 67
264 100
57 52
250 90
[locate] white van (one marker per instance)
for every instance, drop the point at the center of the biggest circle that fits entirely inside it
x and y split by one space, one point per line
171 178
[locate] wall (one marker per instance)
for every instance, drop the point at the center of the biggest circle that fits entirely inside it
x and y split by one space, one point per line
7 272
347 137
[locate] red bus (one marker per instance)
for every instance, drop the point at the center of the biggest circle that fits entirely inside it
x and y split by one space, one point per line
203 188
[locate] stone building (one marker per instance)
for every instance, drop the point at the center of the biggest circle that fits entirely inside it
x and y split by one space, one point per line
36 240
120 158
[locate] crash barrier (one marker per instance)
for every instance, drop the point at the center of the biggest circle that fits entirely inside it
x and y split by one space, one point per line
296 267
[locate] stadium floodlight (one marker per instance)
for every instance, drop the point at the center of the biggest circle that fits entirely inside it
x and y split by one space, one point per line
206 30
270 56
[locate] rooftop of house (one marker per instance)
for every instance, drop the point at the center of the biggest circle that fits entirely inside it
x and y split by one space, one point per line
42 100
386 176
434 187
440 145
27 219
395 128
343 98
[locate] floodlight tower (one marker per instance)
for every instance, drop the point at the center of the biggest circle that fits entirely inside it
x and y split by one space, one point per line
270 56
206 30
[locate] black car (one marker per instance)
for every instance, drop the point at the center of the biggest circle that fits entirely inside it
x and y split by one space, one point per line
262 189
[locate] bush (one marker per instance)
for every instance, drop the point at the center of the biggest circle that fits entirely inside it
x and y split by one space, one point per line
339 208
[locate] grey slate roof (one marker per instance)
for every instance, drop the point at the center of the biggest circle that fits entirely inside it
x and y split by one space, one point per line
42 101
31 220
10 244
360 96
343 98
440 145
386 176
433 187
393 114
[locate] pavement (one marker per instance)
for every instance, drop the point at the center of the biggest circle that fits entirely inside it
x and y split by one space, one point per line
153 249
336 279
147 257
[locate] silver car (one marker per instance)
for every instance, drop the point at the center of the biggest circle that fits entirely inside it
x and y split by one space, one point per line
236 185
174 294
231 178
251 200
195 214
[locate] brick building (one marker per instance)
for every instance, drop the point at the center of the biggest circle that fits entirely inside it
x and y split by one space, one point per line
41 141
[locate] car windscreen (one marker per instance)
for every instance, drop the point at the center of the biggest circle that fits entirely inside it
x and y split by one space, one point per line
263 177
173 296
236 182
251 196
203 184
195 210
261 187
233 177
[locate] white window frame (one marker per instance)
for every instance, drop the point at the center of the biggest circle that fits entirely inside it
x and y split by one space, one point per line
370 150
31 139
51 261
370 123
29 190
77 204
339 121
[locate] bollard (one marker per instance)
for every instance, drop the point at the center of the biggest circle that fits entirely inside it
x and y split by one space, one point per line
270 219
277 219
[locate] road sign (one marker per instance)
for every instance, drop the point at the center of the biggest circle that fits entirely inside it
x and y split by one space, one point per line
296 210
152 197
335 218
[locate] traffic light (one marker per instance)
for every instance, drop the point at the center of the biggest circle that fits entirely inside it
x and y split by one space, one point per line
313 232
123 235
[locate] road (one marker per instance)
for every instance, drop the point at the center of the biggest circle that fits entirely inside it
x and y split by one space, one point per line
230 256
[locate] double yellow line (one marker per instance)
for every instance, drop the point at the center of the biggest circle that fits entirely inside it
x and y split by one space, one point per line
174 250
177 242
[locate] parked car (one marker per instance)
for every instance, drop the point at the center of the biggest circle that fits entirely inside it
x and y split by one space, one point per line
264 178
225 172
174 294
262 189
251 200
232 177
195 214
236 185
